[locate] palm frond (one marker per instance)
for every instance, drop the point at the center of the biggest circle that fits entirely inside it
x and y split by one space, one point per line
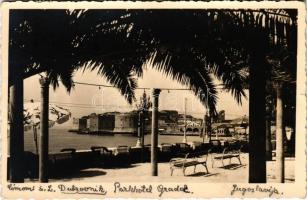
118 74
119 42
188 72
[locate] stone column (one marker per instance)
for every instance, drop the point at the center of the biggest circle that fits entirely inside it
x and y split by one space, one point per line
16 131
268 142
44 131
154 132
280 135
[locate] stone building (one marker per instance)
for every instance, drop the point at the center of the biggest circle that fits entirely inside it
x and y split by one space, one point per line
80 123
106 122
169 122
193 124
126 122
101 122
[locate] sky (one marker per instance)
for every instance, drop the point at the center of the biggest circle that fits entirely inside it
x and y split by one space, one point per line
84 100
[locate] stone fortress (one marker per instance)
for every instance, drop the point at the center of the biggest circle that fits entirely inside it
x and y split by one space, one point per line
170 121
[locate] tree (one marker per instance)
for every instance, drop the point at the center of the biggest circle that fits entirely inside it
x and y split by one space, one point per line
283 74
268 142
46 42
222 39
118 42
143 107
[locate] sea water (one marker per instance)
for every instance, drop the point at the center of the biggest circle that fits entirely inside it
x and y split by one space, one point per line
61 138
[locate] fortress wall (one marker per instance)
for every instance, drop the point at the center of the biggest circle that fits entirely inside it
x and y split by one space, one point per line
126 123
106 122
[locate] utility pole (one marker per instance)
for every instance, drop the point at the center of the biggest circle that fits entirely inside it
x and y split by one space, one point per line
138 142
142 135
206 127
185 122
44 131
154 132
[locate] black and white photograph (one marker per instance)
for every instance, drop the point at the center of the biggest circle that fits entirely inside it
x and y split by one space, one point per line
154 100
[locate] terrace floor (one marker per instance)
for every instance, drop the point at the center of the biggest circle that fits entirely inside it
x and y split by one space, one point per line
141 172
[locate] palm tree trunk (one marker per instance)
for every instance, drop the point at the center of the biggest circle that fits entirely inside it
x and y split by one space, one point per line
280 160
16 141
257 160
